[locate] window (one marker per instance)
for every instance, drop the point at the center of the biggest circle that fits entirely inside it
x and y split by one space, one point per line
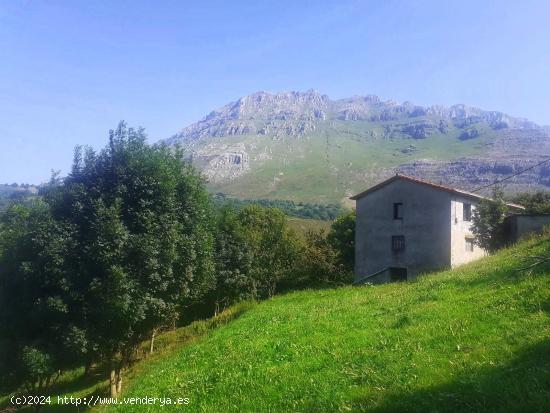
467 212
469 244
397 210
397 243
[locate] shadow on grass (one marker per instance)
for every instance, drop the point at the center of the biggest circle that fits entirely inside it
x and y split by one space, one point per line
522 385
95 384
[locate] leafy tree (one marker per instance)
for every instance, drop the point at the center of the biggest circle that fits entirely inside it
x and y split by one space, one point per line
341 238
142 248
234 262
38 310
487 221
290 208
318 264
256 251
534 203
272 244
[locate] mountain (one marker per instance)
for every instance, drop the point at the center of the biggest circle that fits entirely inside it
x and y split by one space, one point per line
306 147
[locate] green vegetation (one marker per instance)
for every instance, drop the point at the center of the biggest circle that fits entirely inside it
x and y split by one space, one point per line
488 221
15 193
534 203
325 212
473 339
337 160
342 240
78 383
255 251
98 272
303 226
128 245
109 255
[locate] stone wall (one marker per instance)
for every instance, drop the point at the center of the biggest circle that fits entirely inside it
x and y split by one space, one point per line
520 226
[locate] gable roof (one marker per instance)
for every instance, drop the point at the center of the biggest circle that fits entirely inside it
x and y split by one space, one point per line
427 183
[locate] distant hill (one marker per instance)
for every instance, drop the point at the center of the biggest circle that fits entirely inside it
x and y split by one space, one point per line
10 193
303 146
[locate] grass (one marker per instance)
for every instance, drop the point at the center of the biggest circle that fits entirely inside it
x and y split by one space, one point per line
75 383
473 339
302 225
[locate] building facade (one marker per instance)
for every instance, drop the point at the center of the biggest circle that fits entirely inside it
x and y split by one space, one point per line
406 226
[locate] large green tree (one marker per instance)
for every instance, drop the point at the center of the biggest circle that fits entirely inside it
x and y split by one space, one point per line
341 238
142 244
273 244
255 251
40 332
234 262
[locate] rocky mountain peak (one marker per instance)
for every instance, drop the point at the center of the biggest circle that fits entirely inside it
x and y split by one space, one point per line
294 114
343 144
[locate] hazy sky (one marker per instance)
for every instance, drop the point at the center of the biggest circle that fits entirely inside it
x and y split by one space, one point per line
69 71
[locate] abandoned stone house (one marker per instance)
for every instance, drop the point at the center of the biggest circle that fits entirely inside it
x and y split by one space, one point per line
406 226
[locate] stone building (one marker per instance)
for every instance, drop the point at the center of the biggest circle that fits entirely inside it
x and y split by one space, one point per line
518 226
406 226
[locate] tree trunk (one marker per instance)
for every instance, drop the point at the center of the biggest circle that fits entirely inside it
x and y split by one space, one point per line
112 382
118 381
216 308
271 290
87 367
152 344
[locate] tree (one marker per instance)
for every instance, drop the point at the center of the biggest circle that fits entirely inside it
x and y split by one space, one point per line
38 310
535 202
142 247
272 244
318 263
234 262
487 221
341 238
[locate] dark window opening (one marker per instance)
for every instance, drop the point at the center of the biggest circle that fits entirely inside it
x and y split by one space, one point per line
398 243
467 212
469 244
397 210
398 274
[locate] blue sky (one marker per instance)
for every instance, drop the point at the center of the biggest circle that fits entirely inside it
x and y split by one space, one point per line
69 71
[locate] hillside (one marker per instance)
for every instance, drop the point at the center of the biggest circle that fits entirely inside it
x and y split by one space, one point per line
307 147
473 339
16 193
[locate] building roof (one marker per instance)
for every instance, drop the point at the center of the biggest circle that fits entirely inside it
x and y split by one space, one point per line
427 183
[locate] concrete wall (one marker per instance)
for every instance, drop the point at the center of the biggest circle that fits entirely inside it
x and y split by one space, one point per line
426 226
460 230
520 226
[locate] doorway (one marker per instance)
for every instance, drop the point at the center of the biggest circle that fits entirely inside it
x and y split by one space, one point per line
398 274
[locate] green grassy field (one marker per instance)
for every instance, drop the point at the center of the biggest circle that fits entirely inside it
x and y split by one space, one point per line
474 339
302 226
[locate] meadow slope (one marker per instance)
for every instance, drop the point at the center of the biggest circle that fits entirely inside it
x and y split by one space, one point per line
473 339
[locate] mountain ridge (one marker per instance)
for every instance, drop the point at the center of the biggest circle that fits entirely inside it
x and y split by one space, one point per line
276 145
313 106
